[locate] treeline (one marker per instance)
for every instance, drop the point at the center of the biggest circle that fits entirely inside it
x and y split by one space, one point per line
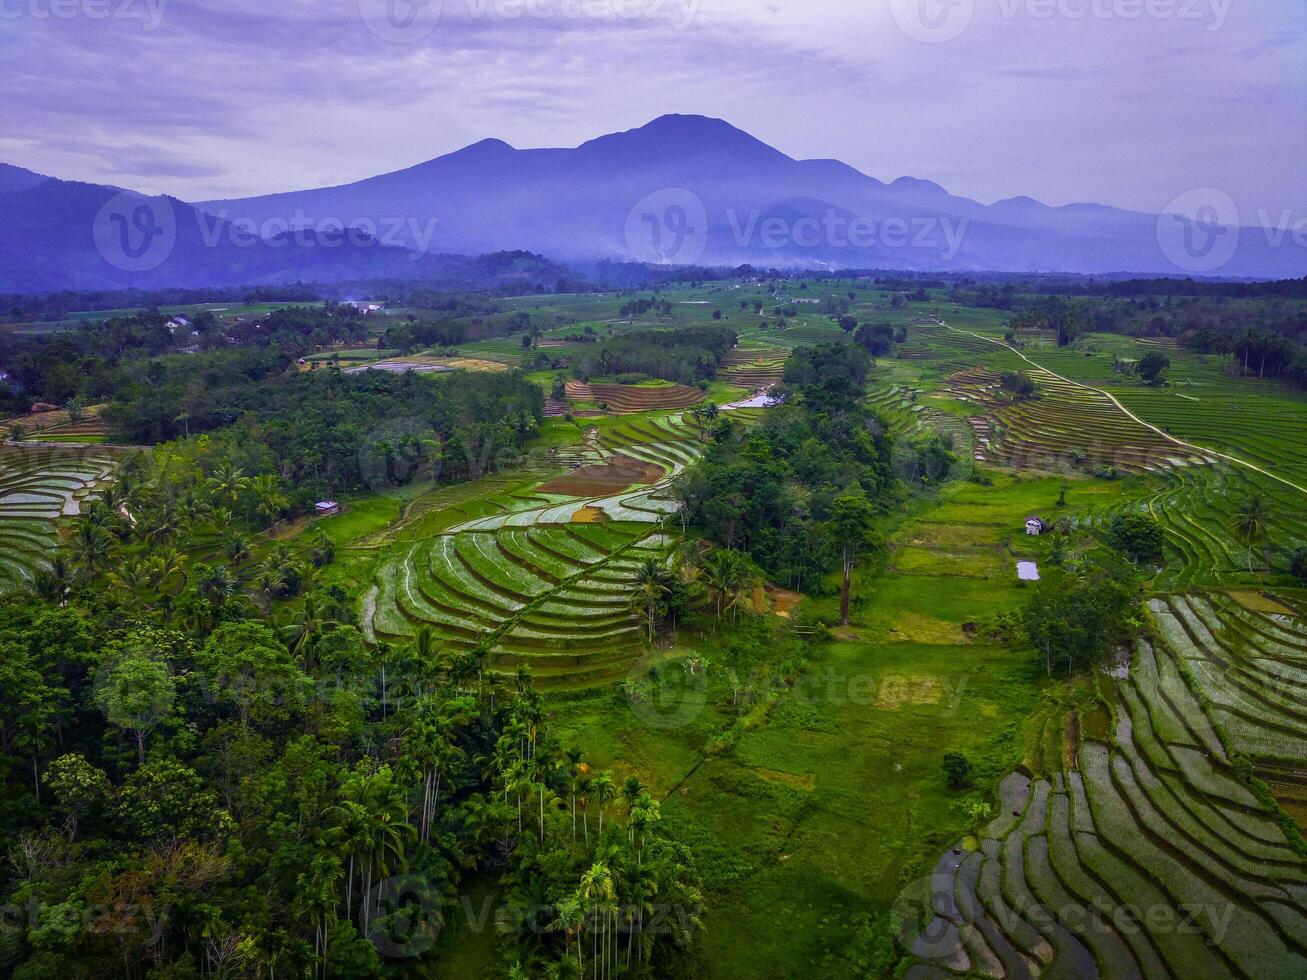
413 334
685 355
97 361
640 307
1265 338
1260 353
29 307
325 432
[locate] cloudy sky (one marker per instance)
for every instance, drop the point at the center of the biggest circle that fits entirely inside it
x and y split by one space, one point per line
1125 102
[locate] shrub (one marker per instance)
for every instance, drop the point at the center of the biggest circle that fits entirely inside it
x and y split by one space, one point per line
1137 536
1153 368
957 770
1298 563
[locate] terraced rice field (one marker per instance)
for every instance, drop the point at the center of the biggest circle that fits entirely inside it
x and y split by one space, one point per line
545 576
553 598
1260 423
1129 848
1068 425
1195 507
1252 667
38 486
59 426
633 399
900 406
753 366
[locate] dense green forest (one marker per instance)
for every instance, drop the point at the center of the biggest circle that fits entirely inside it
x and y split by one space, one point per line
686 355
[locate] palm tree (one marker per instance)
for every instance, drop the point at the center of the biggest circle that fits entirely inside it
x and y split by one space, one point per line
227 484
583 784
217 584
574 772
91 546
726 573
604 791
318 899
1251 521
371 826
632 790
269 502
651 585
569 919
597 891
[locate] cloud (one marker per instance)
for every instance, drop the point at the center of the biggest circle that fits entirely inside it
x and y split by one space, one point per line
235 97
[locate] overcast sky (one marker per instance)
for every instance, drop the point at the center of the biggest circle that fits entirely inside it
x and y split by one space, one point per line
1125 102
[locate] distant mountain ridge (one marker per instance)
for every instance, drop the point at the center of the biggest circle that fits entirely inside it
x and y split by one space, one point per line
682 190
62 235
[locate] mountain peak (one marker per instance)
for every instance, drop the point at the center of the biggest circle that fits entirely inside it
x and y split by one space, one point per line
486 146
684 133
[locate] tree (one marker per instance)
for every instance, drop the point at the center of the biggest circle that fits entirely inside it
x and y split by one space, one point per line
1251 523
652 584
852 526
137 693
79 788
957 770
604 790
725 572
244 663
164 801
1154 367
1297 561
1081 617
1019 387
1140 537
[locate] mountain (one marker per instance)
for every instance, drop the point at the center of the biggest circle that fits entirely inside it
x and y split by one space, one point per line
687 189
18 179
681 190
57 235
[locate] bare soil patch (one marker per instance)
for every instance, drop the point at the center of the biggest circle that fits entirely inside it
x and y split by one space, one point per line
599 480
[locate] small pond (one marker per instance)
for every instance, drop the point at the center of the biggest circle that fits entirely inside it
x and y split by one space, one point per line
1027 571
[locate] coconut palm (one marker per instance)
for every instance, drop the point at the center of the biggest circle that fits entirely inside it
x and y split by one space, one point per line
1251 520
604 790
569 919
227 484
652 584
597 892
726 573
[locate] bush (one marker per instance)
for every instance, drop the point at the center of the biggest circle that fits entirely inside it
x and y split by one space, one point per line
1298 563
1137 536
957 770
1153 368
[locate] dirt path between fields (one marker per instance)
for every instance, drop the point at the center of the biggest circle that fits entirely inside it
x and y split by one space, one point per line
1112 398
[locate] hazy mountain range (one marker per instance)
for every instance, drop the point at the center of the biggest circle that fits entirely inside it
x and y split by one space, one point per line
681 190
